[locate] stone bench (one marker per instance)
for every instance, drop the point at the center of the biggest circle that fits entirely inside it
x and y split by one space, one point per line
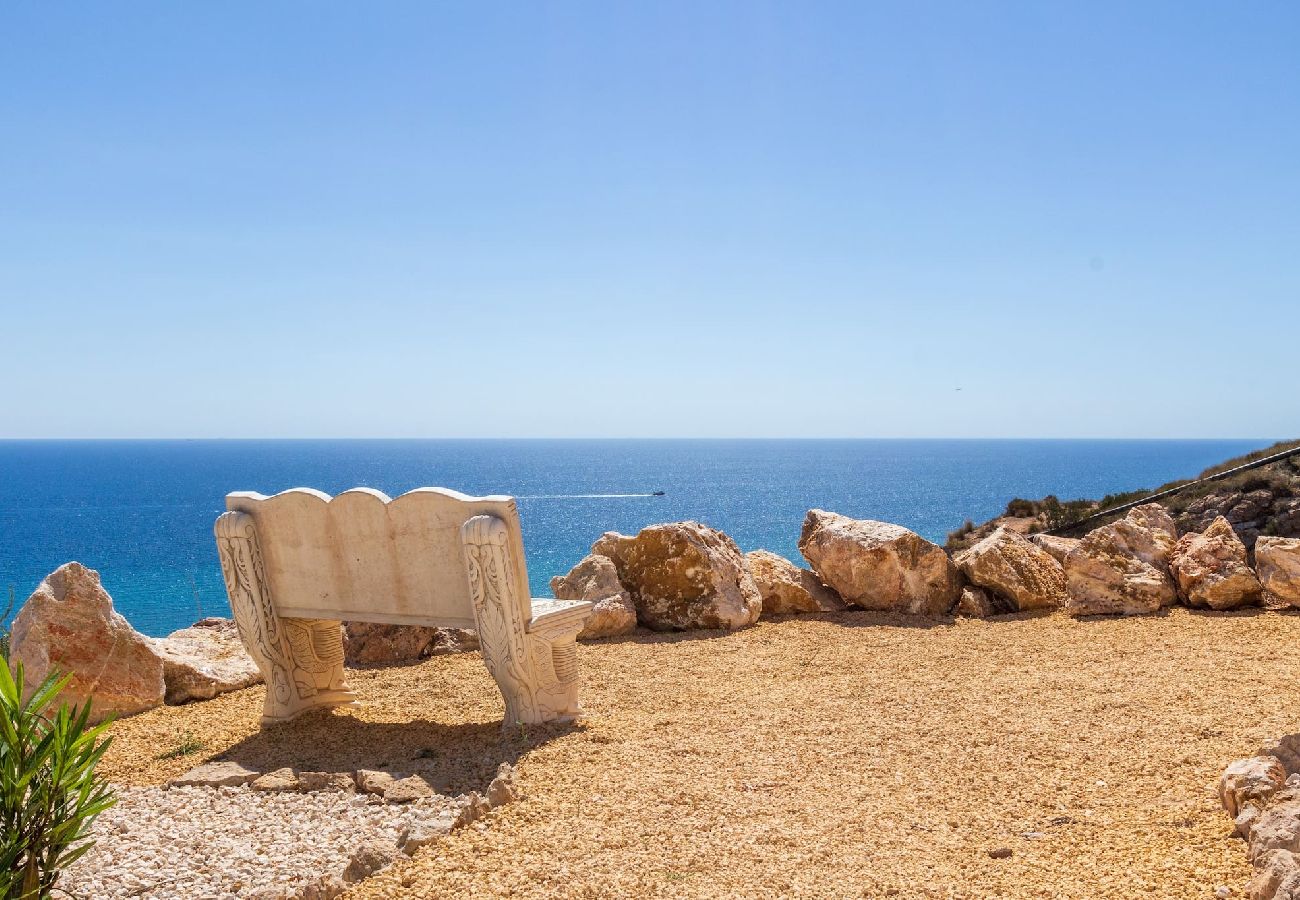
300 563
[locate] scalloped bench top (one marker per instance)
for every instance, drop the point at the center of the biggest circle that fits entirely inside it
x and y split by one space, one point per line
363 557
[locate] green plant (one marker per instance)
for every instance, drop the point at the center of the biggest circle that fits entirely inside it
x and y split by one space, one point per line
4 626
186 744
49 791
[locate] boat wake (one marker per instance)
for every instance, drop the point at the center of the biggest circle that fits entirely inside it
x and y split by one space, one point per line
580 496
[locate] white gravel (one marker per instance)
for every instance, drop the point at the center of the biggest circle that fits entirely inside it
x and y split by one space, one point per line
232 842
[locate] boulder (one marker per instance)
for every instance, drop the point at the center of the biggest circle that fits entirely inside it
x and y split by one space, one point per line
1277 563
977 603
1010 565
1210 569
786 588
1276 828
1122 568
595 578
452 640
877 565
1058 547
69 624
683 575
1277 877
205 660
1251 781
373 643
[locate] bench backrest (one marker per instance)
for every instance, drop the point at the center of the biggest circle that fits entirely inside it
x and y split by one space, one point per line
363 557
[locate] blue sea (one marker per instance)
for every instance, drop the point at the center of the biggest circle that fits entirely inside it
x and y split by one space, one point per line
141 512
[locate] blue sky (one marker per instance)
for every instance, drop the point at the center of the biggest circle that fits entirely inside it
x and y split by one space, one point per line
659 219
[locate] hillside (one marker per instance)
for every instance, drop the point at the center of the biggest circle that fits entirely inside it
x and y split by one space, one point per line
1262 501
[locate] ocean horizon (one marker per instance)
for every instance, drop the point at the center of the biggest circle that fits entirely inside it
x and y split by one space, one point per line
141 511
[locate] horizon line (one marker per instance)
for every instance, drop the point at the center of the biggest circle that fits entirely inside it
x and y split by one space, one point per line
29 439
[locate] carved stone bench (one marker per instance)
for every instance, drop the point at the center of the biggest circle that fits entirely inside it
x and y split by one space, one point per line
299 563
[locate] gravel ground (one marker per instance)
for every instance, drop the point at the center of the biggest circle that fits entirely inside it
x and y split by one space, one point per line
846 755
187 843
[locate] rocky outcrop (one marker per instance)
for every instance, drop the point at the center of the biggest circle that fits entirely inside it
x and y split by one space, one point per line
69 624
1057 547
375 644
877 565
1277 563
1011 566
595 579
1251 512
1210 569
205 660
786 588
1123 568
683 575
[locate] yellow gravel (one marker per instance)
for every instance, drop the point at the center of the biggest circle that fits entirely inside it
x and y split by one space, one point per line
848 755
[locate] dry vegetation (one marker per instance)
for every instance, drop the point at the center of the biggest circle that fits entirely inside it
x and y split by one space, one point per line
1281 480
850 755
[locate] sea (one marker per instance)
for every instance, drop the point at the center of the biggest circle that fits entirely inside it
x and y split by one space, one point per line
141 511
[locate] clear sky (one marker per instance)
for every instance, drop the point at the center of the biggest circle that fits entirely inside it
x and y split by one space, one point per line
660 219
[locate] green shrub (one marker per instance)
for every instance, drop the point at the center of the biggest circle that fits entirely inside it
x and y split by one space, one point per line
1021 508
4 626
49 792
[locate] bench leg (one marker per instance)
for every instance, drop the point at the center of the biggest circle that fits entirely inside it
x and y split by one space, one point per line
300 659
537 673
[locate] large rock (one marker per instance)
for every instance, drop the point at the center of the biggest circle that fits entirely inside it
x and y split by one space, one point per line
881 566
1277 563
1210 569
205 660
69 624
1057 547
374 643
786 588
1010 565
977 603
1277 877
1250 782
683 575
595 579
1123 568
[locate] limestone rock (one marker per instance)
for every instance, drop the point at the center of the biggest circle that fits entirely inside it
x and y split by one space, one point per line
1123 567
876 565
1277 877
1276 828
453 640
1210 569
373 643
502 790
428 831
683 575
1251 781
205 660
1010 565
68 624
1058 547
595 578
977 603
1277 563
372 855
786 588
338 782
224 773
395 787
285 779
